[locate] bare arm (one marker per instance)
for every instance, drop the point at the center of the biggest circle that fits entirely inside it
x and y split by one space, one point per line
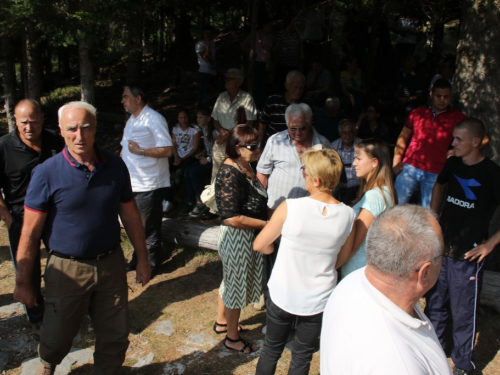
174 148
153 152
400 149
345 250
5 213
437 197
362 223
263 178
29 246
244 222
264 241
481 251
131 219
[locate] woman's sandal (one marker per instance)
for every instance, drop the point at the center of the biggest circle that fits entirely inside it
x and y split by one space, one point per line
246 345
241 328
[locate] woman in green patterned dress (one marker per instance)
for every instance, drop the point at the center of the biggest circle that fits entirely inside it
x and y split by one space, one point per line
241 201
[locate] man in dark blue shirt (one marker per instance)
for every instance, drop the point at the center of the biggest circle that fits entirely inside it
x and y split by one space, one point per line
77 195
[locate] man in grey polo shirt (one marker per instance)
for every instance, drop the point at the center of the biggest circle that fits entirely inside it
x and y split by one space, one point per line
279 167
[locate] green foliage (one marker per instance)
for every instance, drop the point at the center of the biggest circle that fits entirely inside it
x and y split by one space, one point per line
60 96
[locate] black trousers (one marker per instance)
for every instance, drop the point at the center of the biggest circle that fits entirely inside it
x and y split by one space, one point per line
279 325
151 210
35 313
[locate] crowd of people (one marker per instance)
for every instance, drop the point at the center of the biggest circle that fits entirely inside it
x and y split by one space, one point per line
306 197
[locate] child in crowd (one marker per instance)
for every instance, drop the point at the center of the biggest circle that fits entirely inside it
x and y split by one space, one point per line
197 174
186 144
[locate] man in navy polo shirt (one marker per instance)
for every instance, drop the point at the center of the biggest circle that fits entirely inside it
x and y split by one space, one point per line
77 196
28 145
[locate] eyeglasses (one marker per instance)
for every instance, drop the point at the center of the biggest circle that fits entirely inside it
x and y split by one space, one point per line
302 128
230 78
433 260
250 147
303 169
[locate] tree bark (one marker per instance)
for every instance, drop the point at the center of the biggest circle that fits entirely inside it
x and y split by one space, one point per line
134 47
478 55
33 65
87 79
253 33
477 79
9 79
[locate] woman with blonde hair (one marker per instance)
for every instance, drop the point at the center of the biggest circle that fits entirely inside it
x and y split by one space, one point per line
373 166
316 239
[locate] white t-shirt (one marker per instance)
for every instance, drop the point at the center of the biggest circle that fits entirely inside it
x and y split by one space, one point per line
304 274
149 130
206 66
184 139
366 333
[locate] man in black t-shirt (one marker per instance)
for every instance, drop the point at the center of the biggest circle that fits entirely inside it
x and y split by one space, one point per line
21 151
473 193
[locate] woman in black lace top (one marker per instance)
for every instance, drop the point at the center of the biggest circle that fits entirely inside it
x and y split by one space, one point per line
241 201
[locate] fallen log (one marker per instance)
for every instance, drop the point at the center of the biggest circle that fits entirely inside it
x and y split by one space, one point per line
490 294
204 236
190 234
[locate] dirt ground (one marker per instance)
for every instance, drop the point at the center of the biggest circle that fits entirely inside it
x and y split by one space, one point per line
171 324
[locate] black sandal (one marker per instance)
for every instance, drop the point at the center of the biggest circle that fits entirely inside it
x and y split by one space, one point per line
246 345
241 328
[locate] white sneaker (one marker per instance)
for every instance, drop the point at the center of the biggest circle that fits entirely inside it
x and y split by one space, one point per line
167 206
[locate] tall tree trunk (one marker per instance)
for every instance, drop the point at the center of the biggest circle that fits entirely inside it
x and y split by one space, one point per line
9 79
134 47
253 33
33 65
478 81
478 55
87 79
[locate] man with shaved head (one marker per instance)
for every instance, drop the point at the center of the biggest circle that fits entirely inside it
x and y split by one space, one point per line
28 145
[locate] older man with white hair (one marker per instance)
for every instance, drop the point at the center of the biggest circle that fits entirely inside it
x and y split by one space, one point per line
372 323
77 196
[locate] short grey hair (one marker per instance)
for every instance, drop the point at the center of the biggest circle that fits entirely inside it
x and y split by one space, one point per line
294 74
72 105
297 110
237 72
402 239
346 122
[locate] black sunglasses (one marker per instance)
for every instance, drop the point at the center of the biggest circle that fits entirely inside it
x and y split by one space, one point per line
302 128
250 147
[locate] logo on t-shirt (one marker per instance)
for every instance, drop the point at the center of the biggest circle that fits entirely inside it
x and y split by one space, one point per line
466 184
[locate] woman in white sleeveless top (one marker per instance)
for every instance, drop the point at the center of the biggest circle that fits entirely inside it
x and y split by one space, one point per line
316 236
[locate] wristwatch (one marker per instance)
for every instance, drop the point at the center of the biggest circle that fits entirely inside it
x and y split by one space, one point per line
143 151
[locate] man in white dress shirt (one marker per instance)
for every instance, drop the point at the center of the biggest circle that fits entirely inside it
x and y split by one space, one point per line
372 323
146 147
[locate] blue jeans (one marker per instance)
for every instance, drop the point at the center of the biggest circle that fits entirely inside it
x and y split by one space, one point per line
279 324
410 180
